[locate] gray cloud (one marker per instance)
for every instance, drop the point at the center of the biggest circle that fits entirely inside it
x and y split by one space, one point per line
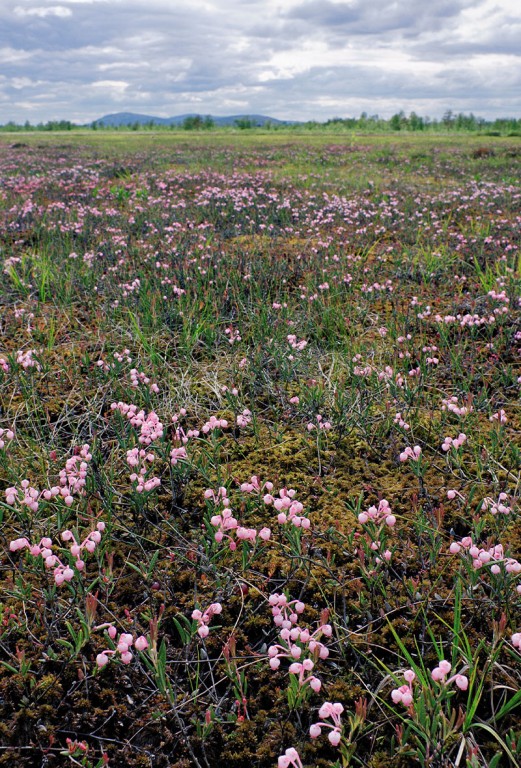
378 16
80 59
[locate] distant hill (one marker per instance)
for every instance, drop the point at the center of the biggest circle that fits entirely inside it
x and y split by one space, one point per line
133 118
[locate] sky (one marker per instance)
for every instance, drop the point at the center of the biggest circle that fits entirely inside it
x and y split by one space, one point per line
290 59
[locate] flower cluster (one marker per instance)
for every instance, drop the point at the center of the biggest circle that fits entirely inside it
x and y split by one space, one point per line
5 434
120 357
333 711
294 344
203 618
500 507
379 514
26 495
288 508
500 417
398 419
233 335
26 359
254 486
73 477
451 404
454 442
294 640
493 556
405 694
431 360
226 523
123 644
61 571
439 675
180 438
244 418
214 423
123 356
178 454
411 453
149 425
139 377
376 521
290 759
138 458
321 424
303 670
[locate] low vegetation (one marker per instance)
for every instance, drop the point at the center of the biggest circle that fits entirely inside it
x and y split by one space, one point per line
259 451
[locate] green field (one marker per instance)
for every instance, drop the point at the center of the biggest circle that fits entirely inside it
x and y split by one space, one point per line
260 450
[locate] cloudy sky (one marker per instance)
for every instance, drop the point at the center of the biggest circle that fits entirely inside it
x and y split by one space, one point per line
290 59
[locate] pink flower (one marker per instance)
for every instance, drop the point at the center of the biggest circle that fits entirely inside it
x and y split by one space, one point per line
290 758
404 693
440 672
334 737
333 711
18 544
68 574
141 643
203 618
411 453
462 682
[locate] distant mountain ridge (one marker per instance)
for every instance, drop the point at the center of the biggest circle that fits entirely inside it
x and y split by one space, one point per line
131 118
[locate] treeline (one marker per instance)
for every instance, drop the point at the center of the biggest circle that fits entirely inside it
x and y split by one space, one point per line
450 122
51 125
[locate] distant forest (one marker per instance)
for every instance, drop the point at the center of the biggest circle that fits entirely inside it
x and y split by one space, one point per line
451 121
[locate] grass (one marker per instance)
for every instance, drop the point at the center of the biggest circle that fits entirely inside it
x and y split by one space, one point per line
215 352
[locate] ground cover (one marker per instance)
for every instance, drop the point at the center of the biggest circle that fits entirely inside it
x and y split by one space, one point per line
259 451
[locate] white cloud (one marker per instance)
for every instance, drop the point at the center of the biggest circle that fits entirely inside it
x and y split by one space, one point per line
118 85
42 12
14 56
25 82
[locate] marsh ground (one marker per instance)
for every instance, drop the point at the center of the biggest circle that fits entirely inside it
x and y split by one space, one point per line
297 309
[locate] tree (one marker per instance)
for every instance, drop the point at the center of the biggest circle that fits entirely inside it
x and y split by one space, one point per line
243 123
448 119
193 123
398 121
415 122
